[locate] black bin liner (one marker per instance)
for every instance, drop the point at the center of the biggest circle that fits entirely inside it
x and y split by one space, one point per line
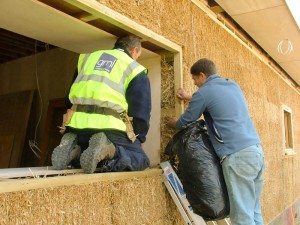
200 171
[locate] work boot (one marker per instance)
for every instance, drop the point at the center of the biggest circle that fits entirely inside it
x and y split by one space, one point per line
66 151
100 148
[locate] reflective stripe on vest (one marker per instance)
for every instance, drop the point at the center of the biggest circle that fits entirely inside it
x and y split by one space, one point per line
102 70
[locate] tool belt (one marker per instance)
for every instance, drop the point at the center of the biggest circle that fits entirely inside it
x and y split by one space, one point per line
94 109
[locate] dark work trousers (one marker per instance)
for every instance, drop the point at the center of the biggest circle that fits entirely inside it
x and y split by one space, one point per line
128 157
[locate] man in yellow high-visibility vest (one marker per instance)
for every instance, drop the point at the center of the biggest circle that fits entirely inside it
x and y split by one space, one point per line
109 87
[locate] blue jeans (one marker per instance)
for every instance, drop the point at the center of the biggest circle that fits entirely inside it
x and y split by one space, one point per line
129 156
243 173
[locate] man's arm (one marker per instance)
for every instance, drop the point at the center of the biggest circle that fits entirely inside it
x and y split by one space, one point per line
193 112
67 100
195 109
138 96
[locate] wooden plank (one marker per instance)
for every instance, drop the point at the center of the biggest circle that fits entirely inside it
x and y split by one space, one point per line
6 145
14 115
178 79
13 185
34 172
64 31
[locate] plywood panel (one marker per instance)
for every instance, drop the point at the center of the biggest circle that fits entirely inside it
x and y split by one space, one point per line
52 137
6 144
14 115
152 144
62 30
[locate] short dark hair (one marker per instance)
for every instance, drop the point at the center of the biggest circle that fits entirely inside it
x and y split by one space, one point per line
205 66
128 42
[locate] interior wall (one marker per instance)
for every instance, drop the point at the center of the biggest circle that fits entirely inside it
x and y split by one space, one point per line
52 70
185 24
55 66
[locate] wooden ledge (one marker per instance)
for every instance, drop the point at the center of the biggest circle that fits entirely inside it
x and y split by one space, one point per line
13 185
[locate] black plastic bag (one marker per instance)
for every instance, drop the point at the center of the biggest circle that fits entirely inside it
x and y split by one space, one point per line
200 171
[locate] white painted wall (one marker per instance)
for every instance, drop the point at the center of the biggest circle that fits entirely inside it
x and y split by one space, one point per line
152 148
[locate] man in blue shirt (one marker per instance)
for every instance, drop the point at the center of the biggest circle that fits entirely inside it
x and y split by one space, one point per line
233 136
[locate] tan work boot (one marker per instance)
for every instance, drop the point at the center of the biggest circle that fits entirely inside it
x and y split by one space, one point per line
67 151
100 148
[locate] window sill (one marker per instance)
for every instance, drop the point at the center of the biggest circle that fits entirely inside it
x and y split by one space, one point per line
289 152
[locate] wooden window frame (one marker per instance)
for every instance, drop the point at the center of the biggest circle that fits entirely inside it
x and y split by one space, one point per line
288 135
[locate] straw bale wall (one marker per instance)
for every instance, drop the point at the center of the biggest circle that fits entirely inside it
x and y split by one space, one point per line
182 22
102 199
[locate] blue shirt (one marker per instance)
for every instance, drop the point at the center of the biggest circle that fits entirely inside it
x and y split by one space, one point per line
224 107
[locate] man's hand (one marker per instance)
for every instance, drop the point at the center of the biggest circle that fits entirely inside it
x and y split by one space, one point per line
171 121
181 94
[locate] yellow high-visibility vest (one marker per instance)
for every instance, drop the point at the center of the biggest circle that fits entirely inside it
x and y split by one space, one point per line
102 81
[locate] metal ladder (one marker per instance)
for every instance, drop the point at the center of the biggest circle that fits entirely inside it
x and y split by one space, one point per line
178 195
